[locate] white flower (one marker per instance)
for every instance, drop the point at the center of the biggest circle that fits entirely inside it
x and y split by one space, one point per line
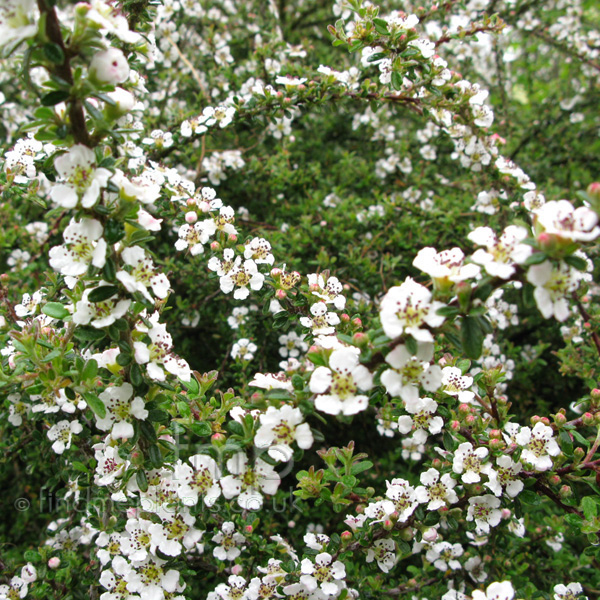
485 511
329 291
248 481
18 21
243 349
174 533
292 344
410 371
538 446
402 494
435 491
553 284
272 381
158 356
62 434
405 309
279 428
109 67
194 237
200 481
384 552
446 267
149 579
83 180
84 246
379 511
571 591
110 465
29 304
559 218
240 277
321 322
457 384
234 589
120 410
502 253
17 587
324 574
143 273
99 314
425 47
259 250
499 590
443 555
337 385
229 542
469 462
505 475
135 544
423 419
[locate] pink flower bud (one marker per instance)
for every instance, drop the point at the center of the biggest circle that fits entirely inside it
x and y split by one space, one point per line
276 272
191 217
436 463
280 294
554 479
109 67
236 569
470 419
430 535
455 425
233 237
249 528
587 418
215 245
495 434
506 513
54 562
190 202
344 317
357 322
346 536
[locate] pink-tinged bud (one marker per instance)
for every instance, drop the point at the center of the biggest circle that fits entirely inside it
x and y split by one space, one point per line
249 529
506 513
190 202
594 190
587 325
301 87
565 491
314 348
495 434
470 419
132 513
402 38
545 420
388 525
430 535
236 569
218 439
578 453
291 524
323 223
54 562
436 463
191 217
346 536
233 237
360 338
464 409
535 419
109 67
360 509
281 294
279 94
585 299
276 272
46 330
588 418
496 444
560 419
314 287
554 479
345 317
595 394
455 425
412 583
444 509
357 322
256 397
4 277
288 100
204 206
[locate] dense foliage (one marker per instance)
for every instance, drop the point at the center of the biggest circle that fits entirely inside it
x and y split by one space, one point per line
299 299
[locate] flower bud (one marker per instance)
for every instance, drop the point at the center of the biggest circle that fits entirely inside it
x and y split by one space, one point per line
281 294
109 67
346 536
191 217
249 529
554 479
54 562
357 322
276 272
388 525
430 535
218 439
565 491
464 409
506 513
436 463
535 419
345 317
215 246
236 569
124 102
233 237
470 419
495 434
588 418
578 453
496 444
560 419
455 425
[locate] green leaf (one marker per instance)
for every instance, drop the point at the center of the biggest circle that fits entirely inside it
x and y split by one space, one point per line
142 480
201 429
396 80
79 466
235 428
381 26
104 292
155 456
589 507
471 337
535 259
90 370
530 498
95 404
89 334
54 53
135 374
448 311
55 310
147 430
54 98
576 262
361 466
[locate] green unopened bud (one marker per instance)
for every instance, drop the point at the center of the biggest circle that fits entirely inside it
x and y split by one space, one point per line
565 491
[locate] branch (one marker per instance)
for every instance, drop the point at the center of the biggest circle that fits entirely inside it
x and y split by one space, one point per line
76 114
